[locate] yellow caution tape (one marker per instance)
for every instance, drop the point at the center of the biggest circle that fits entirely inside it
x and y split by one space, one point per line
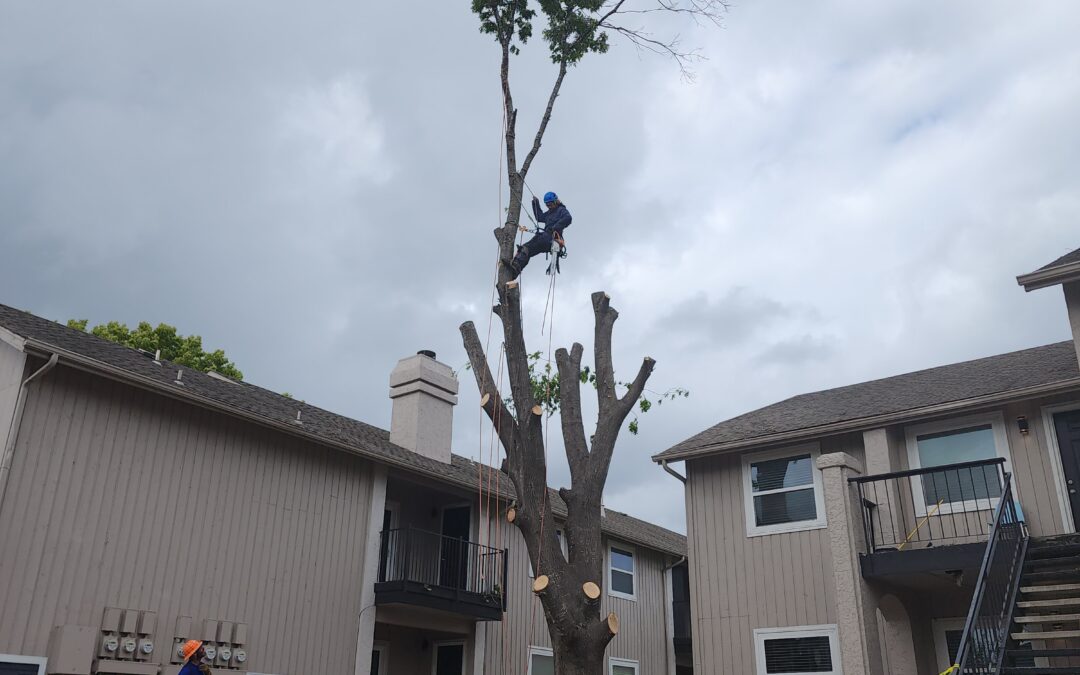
952 669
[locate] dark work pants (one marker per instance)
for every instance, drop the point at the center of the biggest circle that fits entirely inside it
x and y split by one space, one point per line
541 243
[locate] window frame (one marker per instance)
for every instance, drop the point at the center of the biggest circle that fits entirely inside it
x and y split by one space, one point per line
748 459
941 644
383 648
626 548
761 635
40 661
1001 449
447 643
624 663
539 651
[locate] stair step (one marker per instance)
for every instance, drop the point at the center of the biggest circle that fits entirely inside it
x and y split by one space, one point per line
1043 653
1053 602
1050 588
1047 635
1066 574
1047 618
1051 561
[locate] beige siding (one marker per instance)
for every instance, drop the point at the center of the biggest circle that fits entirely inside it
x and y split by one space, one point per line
12 362
126 499
642 634
739 583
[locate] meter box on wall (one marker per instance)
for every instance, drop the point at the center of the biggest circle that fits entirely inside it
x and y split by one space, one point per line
126 636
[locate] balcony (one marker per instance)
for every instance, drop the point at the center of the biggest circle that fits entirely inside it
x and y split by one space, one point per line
935 519
427 569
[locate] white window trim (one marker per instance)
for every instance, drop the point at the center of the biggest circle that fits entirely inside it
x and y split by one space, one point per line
752 528
539 651
625 663
1001 447
384 656
633 553
39 661
446 643
763 634
561 533
1054 449
941 646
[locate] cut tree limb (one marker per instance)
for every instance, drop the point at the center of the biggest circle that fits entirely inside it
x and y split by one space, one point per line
541 583
613 623
591 591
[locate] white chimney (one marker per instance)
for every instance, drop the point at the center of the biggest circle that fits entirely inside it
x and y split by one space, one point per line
424 393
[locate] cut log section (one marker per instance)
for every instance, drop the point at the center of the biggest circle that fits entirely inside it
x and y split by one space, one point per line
613 623
591 591
541 583
511 514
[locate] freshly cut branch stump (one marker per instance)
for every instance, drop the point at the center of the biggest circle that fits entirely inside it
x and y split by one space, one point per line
538 410
613 623
484 400
511 514
541 583
591 591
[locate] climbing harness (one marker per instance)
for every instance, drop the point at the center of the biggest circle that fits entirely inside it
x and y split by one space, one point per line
557 253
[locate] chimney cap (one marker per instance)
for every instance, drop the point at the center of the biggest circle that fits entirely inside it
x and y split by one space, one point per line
426 352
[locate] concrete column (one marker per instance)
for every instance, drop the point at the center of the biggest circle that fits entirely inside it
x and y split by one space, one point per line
365 637
877 447
669 619
1072 303
856 606
479 647
896 631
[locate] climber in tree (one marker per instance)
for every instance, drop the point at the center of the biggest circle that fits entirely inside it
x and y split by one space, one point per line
555 220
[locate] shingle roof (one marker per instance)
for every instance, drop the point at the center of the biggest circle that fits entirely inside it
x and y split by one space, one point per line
1001 374
267 407
1066 259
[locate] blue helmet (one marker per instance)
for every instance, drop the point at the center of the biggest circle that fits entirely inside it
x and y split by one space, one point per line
550 197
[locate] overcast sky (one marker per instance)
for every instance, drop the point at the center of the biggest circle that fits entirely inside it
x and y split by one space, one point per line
846 191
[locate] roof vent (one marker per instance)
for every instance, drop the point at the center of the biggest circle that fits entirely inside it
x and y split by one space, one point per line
426 352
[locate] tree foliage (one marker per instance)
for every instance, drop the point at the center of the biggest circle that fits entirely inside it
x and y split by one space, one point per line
180 349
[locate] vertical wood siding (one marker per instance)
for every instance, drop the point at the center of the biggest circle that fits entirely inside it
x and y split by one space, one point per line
643 626
12 362
127 499
739 583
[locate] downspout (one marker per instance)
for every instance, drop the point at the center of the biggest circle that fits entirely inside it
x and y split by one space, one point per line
16 422
673 472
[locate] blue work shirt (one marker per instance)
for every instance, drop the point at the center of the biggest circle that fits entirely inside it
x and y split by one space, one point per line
555 220
190 668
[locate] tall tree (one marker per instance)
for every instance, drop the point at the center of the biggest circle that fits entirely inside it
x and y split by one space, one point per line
186 350
569 588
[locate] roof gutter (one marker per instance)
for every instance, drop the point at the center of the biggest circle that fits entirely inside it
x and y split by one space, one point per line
872 422
16 422
673 472
1051 277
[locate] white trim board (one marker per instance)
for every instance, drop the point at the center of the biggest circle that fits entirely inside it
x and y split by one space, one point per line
624 663
39 661
1054 449
539 651
821 521
829 630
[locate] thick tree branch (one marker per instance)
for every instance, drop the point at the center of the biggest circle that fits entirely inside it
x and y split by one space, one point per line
494 406
604 317
573 427
544 121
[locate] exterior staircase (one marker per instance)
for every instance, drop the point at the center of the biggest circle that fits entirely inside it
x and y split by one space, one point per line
1045 630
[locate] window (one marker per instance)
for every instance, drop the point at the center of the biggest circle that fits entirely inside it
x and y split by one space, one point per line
541 661
11 664
797 651
562 545
621 572
622 667
955 441
782 489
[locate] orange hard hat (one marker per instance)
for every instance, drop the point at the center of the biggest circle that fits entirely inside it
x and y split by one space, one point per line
189 648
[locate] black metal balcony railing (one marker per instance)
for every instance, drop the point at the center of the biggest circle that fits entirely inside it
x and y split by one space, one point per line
986 631
923 507
431 560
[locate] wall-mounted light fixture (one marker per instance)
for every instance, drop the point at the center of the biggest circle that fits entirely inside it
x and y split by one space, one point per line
1022 424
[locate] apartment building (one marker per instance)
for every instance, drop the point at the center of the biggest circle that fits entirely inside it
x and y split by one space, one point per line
901 525
143 504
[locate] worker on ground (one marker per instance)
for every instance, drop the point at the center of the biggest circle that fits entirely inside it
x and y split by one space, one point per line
193 654
555 220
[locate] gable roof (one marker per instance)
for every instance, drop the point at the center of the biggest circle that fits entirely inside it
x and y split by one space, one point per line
1064 269
892 399
88 352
